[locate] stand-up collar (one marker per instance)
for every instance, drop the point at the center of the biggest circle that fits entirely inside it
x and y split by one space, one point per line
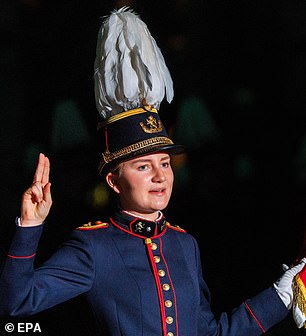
138 225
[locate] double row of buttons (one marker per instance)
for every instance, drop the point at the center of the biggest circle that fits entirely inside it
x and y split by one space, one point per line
165 286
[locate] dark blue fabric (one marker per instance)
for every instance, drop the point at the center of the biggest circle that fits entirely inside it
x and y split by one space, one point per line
113 270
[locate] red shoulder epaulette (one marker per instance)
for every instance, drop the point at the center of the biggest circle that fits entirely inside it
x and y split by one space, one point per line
175 227
93 226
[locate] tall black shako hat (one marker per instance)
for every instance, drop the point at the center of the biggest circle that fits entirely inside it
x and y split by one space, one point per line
131 80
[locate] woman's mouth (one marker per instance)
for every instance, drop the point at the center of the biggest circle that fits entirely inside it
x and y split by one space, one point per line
158 191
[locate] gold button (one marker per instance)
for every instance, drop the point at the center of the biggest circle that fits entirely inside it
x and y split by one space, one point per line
154 246
168 303
161 273
170 334
169 320
166 287
157 259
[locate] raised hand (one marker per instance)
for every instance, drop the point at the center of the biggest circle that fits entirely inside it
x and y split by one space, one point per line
36 200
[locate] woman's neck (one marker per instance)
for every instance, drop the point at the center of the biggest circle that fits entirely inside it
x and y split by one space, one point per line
151 217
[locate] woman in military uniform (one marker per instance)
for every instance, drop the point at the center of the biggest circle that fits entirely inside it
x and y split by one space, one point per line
140 274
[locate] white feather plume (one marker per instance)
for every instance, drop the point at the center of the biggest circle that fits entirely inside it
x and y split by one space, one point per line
129 66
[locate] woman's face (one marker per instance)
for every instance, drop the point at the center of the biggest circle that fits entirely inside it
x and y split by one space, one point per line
144 184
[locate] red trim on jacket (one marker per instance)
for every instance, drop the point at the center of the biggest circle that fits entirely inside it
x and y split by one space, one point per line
255 318
159 289
21 257
172 286
132 222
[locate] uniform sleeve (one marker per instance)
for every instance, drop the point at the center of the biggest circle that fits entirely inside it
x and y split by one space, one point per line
253 317
26 290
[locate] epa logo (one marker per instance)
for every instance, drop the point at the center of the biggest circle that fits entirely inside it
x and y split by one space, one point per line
22 327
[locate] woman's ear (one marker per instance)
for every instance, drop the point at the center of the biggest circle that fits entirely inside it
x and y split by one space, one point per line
111 180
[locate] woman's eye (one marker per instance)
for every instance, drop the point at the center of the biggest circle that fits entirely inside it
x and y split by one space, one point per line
144 167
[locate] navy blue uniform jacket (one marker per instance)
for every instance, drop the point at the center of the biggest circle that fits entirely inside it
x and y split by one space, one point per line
136 286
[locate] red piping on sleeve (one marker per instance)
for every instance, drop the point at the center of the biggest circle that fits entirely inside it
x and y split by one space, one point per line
254 317
21 257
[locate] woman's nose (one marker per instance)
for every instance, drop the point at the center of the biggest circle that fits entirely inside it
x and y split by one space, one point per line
159 175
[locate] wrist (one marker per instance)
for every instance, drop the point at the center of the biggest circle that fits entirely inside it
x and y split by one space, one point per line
28 222
285 294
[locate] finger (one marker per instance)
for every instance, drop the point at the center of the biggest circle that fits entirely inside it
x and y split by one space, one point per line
296 269
46 171
40 168
28 194
37 192
47 193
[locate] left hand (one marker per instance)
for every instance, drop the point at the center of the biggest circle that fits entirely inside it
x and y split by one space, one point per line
284 285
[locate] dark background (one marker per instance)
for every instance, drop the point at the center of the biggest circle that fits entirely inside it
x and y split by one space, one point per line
239 71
